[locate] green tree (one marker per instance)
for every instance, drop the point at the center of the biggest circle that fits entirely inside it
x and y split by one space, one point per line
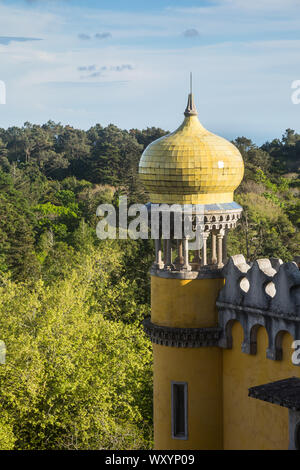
73 378
17 240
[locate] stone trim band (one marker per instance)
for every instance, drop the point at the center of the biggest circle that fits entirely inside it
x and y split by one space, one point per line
182 337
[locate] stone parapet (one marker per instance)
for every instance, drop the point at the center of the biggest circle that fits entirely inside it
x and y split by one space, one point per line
263 293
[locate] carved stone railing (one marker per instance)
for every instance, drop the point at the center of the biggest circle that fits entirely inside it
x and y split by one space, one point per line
264 293
212 221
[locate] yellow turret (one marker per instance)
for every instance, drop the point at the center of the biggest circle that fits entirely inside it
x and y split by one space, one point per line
189 166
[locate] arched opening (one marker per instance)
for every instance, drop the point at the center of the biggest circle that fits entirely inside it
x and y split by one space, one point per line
279 343
228 332
245 284
270 289
253 338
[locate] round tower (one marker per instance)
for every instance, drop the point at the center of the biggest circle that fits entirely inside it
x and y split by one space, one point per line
198 171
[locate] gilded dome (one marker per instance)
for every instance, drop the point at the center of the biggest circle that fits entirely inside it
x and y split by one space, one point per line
191 165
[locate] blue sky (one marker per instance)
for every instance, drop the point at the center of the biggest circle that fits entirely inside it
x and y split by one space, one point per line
128 62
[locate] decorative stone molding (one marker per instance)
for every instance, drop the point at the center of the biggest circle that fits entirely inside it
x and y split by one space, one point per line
221 220
251 319
206 223
205 273
182 337
265 293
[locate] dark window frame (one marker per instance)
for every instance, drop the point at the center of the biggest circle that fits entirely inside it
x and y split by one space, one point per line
175 435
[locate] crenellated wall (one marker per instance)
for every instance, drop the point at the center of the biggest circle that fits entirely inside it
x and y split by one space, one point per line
221 339
265 293
259 316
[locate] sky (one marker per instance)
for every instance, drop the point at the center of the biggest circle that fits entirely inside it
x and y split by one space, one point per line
128 63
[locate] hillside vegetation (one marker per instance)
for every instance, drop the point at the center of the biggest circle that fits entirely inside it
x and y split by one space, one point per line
78 369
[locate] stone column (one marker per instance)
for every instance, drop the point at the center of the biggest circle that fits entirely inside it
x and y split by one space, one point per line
158 258
220 236
205 236
225 246
179 261
214 247
186 265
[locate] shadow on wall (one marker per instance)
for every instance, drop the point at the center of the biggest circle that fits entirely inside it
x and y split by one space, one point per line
249 423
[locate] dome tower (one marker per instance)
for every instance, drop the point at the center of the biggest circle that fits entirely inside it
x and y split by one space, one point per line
198 172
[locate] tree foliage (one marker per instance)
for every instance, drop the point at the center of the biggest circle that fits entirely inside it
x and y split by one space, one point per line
78 367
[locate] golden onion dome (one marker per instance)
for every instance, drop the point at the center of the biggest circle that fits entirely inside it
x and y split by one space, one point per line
191 165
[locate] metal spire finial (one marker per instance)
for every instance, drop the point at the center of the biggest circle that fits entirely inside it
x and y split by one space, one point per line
191 108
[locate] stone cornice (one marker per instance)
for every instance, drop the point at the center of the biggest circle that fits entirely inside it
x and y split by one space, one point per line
258 311
182 337
204 273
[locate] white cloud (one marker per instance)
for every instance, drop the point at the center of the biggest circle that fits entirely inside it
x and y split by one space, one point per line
242 84
22 22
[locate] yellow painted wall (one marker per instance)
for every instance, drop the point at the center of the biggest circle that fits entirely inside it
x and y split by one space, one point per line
201 368
250 423
220 413
185 303
189 303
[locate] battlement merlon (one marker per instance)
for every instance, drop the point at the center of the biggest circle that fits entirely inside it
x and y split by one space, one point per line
263 293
